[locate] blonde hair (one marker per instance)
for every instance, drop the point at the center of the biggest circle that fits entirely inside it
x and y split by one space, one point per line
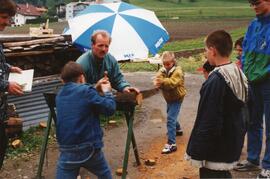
168 56
103 33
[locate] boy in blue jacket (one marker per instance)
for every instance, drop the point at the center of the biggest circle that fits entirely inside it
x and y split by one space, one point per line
218 134
78 130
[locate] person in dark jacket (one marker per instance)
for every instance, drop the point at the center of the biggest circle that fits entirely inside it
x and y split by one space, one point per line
7 10
217 137
78 130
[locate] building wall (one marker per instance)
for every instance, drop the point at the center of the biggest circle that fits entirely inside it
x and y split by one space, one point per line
69 11
21 19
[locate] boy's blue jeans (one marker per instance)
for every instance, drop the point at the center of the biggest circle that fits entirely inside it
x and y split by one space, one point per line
260 97
173 110
72 158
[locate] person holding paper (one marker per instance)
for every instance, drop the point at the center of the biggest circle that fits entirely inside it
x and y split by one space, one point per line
7 10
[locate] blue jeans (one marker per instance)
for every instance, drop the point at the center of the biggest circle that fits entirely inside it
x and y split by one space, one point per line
173 110
72 158
260 104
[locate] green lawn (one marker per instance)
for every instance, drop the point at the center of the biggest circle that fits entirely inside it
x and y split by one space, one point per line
188 64
197 43
200 9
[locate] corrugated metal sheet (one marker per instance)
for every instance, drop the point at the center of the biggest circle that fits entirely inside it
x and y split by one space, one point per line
32 107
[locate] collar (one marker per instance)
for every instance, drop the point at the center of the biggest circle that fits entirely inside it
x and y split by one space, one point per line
264 18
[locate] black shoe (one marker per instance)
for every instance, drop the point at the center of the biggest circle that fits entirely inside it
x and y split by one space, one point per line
179 132
246 166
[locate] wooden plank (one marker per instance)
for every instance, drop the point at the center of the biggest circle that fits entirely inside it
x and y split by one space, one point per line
36 52
29 53
33 42
131 98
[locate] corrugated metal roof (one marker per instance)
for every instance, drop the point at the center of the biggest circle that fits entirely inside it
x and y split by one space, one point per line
32 107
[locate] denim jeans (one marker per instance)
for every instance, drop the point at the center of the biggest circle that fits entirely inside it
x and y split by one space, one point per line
72 158
173 110
260 104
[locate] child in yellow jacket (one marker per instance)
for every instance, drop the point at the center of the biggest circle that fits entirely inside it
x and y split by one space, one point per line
170 79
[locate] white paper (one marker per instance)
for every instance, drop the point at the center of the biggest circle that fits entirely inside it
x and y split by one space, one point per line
25 79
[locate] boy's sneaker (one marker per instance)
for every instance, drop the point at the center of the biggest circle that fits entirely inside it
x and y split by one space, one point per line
264 174
169 148
179 132
246 166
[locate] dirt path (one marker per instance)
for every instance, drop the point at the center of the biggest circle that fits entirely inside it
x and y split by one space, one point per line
150 132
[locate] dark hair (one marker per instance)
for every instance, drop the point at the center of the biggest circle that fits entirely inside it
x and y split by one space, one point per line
221 41
71 72
252 1
208 67
8 7
103 33
239 42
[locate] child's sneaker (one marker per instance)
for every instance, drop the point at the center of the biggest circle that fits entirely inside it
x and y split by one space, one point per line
179 132
169 148
264 174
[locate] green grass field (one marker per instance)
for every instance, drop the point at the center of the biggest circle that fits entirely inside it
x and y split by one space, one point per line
201 9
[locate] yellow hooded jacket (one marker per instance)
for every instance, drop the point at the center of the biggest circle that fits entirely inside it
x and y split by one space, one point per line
173 84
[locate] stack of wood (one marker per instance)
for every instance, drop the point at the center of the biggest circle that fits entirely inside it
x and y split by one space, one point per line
26 45
46 54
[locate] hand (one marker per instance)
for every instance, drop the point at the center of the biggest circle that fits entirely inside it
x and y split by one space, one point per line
106 87
100 82
128 89
15 89
15 69
157 82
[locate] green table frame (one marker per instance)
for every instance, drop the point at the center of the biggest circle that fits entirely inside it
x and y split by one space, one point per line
127 108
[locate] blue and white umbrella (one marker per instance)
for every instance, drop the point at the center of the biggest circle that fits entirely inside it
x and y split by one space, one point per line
135 31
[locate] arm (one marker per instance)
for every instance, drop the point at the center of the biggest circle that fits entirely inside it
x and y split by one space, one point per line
105 104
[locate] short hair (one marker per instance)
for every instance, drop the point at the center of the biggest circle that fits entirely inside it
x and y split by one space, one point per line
239 42
103 33
71 72
221 41
168 56
208 67
8 7
252 1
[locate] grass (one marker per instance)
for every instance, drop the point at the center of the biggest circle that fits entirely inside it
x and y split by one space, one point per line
33 137
201 9
188 64
197 43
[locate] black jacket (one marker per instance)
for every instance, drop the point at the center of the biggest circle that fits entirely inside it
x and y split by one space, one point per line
220 126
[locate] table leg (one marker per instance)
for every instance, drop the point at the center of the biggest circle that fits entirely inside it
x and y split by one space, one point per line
44 147
130 138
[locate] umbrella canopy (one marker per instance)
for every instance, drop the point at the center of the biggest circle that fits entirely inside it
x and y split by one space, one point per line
134 31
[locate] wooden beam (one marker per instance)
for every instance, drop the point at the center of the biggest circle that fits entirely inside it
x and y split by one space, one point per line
36 52
131 98
33 42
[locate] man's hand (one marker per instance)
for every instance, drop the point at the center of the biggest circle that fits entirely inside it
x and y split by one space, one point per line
15 89
128 89
15 69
